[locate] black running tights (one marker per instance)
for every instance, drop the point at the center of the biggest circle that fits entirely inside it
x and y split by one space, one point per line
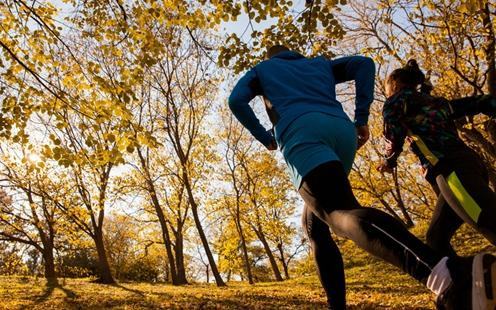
330 201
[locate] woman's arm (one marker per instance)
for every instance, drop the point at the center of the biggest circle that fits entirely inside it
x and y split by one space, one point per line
469 106
394 131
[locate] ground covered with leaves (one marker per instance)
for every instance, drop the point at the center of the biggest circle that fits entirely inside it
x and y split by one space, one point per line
375 286
371 284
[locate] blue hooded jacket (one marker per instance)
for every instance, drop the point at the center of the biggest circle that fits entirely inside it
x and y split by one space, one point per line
295 85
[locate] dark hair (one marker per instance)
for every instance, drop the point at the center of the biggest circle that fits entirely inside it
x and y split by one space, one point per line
276 49
409 76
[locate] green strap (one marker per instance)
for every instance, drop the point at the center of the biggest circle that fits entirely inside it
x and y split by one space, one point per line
468 203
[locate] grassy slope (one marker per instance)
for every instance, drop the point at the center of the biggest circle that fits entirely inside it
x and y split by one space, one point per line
376 286
371 285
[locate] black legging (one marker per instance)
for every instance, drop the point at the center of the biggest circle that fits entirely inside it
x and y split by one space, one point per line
328 260
327 194
450 213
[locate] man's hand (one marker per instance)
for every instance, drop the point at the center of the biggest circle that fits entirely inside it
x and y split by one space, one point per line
363 135
272 146
383 167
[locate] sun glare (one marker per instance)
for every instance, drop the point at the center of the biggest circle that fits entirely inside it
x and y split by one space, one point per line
34 158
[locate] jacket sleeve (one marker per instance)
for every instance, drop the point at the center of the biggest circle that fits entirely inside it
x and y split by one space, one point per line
362 70
468 106
394 131
245 90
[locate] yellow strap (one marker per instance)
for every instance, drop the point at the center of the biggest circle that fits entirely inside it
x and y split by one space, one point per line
423 148
468 203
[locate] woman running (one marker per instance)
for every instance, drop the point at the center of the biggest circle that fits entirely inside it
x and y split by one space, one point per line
318 142
454 170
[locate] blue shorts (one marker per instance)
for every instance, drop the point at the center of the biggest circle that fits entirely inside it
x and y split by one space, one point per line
315 138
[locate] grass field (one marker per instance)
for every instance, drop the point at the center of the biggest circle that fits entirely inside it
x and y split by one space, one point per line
371 284
375 286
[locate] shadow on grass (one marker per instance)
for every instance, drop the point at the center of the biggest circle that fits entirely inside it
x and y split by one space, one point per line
241 300
273 302
137 292
50 286
72 301
374 306
366 286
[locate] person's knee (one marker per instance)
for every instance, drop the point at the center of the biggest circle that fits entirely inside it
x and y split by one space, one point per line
315 229
365 224
346 223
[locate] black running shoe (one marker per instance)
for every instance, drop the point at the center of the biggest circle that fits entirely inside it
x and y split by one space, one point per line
454 298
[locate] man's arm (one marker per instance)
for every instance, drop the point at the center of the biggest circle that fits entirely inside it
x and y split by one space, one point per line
468 106
362 70
245 90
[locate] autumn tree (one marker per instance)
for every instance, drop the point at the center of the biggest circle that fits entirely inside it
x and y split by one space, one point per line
28 216
238 149
11 262
271 205
257 194
113 82
80 84
184 125
131 254
164 204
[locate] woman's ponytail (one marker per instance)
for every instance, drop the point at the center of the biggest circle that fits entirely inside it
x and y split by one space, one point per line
414 76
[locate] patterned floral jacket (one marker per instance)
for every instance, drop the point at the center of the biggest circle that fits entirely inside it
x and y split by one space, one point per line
427 123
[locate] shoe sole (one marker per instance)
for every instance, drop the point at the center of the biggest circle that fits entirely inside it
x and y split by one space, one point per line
484 282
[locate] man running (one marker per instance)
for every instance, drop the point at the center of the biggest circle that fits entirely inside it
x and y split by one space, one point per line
318 142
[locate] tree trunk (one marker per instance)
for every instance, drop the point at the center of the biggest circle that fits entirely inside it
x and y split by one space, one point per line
167 273
490 55
46 240
179 250
201 233
490 50
283 261
49 264
481 143
103 264
270 255
167 242
208 274
161 219
245 251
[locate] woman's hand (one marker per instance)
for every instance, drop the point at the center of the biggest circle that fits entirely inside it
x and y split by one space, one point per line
363 135
272 145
